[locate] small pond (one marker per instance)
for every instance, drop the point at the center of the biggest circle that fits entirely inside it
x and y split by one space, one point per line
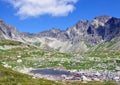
50 72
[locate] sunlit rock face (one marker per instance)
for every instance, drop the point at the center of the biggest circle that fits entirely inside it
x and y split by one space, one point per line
8 31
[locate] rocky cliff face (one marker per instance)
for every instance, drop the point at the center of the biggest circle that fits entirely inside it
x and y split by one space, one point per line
101 28
76 38
8 32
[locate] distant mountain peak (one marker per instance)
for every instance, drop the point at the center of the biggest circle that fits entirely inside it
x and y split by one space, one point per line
103 18
0 19
55 30
82 24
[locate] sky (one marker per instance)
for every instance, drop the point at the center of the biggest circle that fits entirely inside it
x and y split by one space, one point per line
39 15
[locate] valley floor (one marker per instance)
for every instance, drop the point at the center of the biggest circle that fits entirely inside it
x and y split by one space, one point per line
90 68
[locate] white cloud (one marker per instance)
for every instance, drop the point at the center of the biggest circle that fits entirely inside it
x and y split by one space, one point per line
33 8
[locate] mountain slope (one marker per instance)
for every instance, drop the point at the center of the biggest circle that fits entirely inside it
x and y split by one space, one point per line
8 31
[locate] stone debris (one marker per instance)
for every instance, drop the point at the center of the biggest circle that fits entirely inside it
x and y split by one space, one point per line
19 60
19 56
84 78
117 68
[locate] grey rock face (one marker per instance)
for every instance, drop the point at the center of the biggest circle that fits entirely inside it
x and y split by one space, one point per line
8 31
101 28
103 18
110 30
54 33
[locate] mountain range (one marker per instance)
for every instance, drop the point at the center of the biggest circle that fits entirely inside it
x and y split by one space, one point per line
102 33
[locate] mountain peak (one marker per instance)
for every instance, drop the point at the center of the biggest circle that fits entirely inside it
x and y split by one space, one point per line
1 20
103 18
82 24
55 30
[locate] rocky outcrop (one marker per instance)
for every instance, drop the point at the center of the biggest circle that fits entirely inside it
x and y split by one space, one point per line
8 31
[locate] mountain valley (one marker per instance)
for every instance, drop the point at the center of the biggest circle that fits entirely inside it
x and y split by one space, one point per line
88 48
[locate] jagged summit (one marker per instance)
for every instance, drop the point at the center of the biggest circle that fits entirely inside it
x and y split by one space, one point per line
82 24
55 30
103 18
8 31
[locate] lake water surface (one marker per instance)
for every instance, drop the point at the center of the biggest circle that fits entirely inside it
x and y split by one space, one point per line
50 72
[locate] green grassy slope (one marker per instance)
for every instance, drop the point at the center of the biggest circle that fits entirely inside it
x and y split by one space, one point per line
10 77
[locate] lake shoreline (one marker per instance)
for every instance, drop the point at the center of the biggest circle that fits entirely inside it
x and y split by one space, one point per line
82 75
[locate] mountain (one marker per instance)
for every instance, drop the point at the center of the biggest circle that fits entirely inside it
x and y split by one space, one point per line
8 31
83 36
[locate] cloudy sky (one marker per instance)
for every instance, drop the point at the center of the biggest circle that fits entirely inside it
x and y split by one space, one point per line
40 15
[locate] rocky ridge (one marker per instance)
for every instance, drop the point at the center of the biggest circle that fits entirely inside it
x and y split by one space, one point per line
80 37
